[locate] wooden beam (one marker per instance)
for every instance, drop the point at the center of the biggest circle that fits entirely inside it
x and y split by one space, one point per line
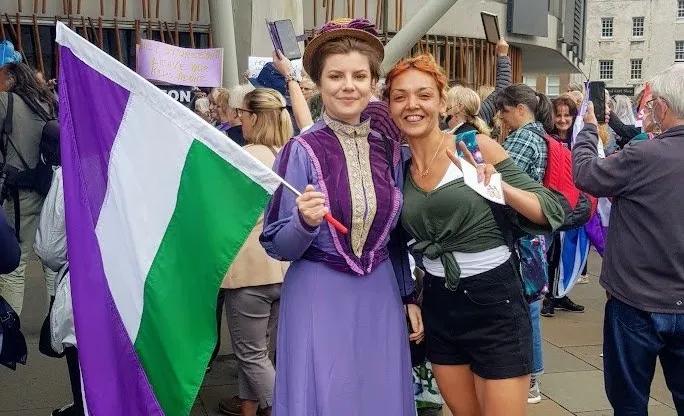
55 49
117 39
2 30
18 35
36 43
35 6
365 9
138 35
156 12
178 10
44 9
19 6
177 34
78 7
95 33
315 13
161 32
116 8
85 29
100 33
199 2
149 29
192 35
123 8
143 7
378 14
166 25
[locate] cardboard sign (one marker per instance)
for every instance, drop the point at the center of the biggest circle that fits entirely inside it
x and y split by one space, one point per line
161 62
255 64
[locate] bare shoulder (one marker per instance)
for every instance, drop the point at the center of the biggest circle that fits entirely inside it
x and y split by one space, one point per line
492 152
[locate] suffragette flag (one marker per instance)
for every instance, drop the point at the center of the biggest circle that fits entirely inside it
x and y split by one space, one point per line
158 203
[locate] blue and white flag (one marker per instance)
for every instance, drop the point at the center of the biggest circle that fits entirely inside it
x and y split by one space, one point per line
574 255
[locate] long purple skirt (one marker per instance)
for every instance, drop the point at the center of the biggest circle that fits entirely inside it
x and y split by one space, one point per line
342 344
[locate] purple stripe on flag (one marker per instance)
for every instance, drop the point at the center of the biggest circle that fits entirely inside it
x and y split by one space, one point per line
97 106
91 109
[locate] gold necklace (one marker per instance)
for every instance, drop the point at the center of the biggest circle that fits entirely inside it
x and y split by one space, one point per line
427 170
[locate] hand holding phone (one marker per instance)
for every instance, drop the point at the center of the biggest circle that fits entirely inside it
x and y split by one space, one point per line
597 95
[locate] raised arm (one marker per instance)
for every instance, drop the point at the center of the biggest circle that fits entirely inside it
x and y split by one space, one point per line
504 78
300 108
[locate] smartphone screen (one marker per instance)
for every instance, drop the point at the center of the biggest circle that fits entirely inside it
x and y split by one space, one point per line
597 95
288 39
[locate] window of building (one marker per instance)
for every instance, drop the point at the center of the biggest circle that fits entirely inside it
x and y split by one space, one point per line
552 85
606 69
638 27
606 27
530 81
680 9
635 71
679 51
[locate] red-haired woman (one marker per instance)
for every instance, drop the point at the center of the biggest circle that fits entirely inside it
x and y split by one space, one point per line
477 324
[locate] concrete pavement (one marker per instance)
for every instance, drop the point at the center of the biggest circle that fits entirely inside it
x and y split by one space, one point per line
572 383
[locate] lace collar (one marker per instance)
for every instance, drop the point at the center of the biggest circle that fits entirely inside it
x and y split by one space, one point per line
347 130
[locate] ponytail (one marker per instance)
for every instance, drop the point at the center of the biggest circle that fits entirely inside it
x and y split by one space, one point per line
480 125
543 113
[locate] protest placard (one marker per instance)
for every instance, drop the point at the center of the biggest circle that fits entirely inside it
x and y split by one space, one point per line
161 62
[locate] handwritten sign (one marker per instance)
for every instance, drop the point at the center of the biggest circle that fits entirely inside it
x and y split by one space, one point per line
256 63
161 62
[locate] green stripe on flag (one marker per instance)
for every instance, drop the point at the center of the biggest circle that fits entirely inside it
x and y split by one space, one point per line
216 210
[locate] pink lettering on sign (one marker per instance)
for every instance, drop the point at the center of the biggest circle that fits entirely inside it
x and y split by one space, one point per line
161 62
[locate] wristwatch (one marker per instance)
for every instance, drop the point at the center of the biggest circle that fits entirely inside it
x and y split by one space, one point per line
290 77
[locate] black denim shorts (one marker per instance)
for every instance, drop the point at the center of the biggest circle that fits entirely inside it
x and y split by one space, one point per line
484 323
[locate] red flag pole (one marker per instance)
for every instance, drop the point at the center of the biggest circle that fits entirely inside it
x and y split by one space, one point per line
331 220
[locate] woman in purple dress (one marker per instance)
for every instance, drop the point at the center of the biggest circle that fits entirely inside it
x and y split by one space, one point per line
342 338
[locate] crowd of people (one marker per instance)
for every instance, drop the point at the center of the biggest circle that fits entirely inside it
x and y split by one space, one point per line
350 316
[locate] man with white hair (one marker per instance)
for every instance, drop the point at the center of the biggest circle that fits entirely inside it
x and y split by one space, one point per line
237 95
643 264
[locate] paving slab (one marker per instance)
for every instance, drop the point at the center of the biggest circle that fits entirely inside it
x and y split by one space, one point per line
557 360
211 396
547 407
42 383
654 409
590 354
579 391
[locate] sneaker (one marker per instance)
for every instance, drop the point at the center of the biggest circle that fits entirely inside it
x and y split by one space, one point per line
534 395
230 406
68 410
583 280
547 308
568 305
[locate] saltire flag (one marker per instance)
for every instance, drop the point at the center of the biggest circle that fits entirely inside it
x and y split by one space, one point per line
158 203
574 255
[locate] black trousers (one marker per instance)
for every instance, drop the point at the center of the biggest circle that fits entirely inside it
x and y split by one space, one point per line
71 354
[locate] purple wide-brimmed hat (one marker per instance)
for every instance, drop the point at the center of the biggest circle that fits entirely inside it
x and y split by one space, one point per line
361 29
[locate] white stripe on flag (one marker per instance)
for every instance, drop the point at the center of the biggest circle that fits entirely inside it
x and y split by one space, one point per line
145 165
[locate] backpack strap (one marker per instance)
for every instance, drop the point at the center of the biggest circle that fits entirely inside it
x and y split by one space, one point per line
7 130
504 225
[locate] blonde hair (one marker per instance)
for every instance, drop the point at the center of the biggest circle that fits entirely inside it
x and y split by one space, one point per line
273 126
469 102
222 98
484 91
